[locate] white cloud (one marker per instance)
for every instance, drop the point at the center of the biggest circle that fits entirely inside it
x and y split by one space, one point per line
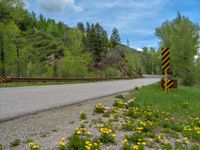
59 5
139 49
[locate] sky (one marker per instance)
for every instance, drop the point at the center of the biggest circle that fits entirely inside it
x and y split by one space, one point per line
136 20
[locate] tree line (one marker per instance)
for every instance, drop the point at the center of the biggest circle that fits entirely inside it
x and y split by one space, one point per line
32 46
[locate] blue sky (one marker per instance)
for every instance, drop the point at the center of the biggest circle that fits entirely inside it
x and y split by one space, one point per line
136 20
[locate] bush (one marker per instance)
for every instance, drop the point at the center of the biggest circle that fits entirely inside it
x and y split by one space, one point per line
188 79
119 104
99 108
111 71
73 66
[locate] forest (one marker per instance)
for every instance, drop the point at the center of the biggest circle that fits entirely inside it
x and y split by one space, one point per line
34 46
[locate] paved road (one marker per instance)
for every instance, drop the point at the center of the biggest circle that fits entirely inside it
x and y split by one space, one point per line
20 101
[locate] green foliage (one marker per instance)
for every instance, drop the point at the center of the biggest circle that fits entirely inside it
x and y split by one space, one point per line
99 108
175 99
83 115
32 46
134 64
16 142
76 142
151 61
197 72
126 147
115 38
183 45
74 66
106 138
135 137
96 40
119 104
120 96
195 147
111 71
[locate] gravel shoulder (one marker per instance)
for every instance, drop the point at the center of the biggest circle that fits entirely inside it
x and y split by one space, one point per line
48 127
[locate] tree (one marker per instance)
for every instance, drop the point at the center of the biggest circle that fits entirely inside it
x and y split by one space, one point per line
181 36
7 47
134 66
101 41
43 48
115 38
80 26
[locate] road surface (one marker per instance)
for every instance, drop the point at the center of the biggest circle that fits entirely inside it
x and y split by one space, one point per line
20 101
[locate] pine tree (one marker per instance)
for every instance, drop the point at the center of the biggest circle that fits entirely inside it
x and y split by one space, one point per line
115 38
80 26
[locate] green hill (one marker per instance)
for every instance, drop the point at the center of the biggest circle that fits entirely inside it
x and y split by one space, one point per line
34 46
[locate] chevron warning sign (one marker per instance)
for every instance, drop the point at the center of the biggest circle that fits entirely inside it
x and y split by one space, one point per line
165 59
169 84
2 79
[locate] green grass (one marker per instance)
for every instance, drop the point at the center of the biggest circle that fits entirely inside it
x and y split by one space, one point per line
153 120
21 84
183 100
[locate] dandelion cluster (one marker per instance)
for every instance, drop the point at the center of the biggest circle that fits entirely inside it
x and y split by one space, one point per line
34 145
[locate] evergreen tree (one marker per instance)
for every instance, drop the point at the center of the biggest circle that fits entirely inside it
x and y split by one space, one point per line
115 38
80 26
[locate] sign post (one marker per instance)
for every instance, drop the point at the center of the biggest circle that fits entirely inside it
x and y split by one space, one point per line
166 69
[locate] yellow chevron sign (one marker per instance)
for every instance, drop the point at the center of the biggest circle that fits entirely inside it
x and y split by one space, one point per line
165 59
169 84
2 79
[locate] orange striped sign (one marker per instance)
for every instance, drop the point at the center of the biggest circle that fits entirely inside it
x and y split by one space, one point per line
165 59
169 84
2 79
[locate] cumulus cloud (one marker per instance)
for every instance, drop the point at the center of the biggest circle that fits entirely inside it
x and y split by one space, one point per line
59 5
139 49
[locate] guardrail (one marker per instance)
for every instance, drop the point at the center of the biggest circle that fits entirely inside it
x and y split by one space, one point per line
28 79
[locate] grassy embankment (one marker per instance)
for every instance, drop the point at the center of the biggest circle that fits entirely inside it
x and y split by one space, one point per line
182 101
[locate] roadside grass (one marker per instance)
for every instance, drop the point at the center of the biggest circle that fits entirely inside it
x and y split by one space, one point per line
147 118
21 84
182 101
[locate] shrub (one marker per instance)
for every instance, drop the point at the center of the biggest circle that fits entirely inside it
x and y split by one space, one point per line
76 142
119 103
188 79
136 137
107 135
99 108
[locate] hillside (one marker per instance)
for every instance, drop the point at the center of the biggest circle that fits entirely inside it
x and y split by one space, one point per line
34 46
